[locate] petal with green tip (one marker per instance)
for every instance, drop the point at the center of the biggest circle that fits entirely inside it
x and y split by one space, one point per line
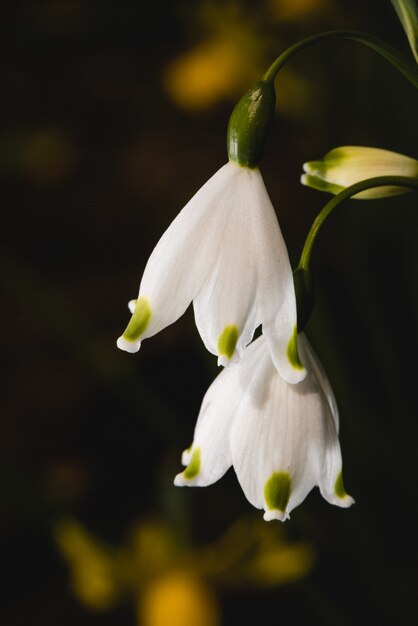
277 491
193 468
131 338
282 431
227 341
212 430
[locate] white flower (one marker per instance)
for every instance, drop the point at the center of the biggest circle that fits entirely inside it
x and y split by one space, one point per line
281 439
225 252
344 166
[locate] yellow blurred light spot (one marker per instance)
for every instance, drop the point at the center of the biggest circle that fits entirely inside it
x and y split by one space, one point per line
289 10
254 553
280 564
153 549
229 57
204 75
167 579
178 599
92 576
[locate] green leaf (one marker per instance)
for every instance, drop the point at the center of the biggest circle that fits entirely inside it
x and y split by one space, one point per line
407 11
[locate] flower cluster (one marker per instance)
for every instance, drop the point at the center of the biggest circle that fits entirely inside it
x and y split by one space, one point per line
225 252
271 413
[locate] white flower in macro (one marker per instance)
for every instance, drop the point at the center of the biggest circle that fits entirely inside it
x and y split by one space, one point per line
225 252
347 165
281 439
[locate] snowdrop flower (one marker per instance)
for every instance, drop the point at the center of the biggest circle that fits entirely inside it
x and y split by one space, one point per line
225 253
347 165
281 439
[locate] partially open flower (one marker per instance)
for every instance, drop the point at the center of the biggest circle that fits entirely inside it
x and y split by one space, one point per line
225 252
347 165
281 439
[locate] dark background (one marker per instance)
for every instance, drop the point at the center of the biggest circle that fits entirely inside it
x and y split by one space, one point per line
97 156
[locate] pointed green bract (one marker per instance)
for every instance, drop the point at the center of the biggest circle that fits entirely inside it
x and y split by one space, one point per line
193 468
292 351
339 489
277 491
333 158
319 183
139 320
249 125
228 340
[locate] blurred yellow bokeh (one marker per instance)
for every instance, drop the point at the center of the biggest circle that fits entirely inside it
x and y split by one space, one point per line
174 583
201 77
91 566
178 599
288 10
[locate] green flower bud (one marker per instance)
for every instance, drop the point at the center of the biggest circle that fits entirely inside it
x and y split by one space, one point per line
347 165
249 124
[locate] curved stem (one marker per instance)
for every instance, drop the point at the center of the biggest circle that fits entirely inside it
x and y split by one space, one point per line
379 181
378 45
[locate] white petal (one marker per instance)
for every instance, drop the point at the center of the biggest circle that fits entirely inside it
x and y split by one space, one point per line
313 363
331 481
184 256
225 308
208 458
280 437
276 300
251 428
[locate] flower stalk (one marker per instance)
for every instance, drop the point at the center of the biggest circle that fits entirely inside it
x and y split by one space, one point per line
379 181
302 277
378 45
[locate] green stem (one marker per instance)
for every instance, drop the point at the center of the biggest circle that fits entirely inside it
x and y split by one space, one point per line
379 181
378 45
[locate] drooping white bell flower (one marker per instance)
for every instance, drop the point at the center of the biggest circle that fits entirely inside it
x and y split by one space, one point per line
347 165
281 439
225 253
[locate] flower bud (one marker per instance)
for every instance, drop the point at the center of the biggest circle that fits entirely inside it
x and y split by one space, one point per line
347 165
